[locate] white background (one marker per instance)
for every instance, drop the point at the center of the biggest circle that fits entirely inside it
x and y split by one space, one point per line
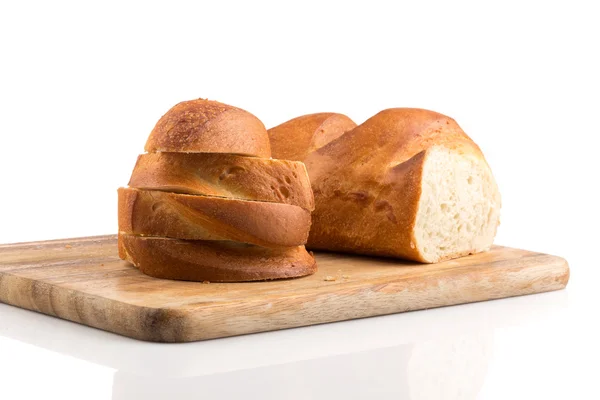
83 83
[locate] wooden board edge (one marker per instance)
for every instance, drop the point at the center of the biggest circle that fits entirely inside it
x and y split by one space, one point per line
133 321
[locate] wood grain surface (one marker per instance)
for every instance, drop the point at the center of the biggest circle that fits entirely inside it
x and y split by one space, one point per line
84 281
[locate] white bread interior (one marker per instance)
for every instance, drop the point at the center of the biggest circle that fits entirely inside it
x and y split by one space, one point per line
459 206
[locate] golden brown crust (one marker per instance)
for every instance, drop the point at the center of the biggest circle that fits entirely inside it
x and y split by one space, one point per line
213 261
206 126
389 138
366 182
156 213
369 217
294 139
225 175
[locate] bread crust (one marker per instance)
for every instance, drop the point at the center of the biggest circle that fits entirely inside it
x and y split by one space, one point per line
225 175
206 126
294 139
213 261
368 216
181 216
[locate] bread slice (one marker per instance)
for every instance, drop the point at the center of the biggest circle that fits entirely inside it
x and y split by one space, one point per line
225 175
213 261
181 216
407 183
294 139
206 126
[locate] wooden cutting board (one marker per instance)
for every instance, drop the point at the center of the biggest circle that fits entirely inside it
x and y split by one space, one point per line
84 281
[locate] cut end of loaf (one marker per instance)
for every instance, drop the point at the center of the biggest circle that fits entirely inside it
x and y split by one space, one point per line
459 207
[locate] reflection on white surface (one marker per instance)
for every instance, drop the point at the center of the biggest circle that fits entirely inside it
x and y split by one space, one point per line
449 368
439 353
372 374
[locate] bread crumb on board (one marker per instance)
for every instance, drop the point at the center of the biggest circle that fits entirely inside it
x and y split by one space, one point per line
345 276
329 278
206 282
68 246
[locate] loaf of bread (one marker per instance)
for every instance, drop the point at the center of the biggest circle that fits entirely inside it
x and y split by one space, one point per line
205 126
213 261
206 203
406 183
225 175
183 216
